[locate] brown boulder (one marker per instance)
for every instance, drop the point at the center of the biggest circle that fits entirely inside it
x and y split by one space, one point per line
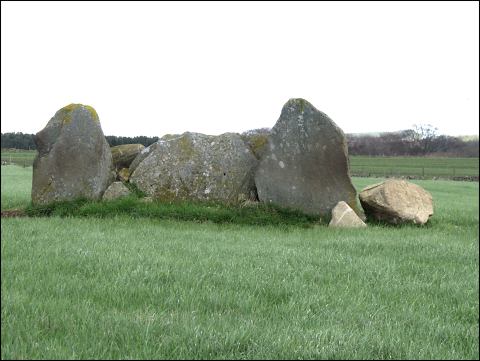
123 155
397 201
123 175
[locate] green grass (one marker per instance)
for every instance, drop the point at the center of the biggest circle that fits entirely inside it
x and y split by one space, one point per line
123 287
184 211
20 157
16 186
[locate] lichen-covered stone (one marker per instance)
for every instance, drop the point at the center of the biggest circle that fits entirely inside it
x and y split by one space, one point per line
344 217
305 165
196 166
397 201
124 154
257 140
116 190
123 175
147 151
74 159
141 156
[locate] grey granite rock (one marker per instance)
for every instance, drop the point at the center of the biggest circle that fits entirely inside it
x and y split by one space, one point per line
305 166
196 166
74 159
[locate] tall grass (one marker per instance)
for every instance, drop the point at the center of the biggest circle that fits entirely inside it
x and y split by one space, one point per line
16 186
130 287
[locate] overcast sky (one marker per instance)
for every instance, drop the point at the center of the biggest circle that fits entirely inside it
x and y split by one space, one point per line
156 68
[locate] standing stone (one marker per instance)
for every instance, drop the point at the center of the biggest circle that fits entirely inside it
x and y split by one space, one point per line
305 166
116 190
197 167
343 216
74 158
124 154
397 201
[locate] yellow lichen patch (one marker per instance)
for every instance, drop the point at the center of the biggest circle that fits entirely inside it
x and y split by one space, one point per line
186 147
298 102
67 118
258 142
93 112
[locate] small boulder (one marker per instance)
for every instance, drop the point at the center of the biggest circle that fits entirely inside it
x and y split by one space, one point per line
344 216
116 190
396 202
123 155
123 175
73 159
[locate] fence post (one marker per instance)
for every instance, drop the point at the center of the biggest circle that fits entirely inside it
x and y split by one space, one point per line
423 172
454 171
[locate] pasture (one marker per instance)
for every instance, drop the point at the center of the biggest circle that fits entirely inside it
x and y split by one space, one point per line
423 167
125 286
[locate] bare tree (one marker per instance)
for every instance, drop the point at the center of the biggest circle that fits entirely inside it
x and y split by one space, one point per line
424 136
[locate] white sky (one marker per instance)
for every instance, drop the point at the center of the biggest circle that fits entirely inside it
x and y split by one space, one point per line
156 68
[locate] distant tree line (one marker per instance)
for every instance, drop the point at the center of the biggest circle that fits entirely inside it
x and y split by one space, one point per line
113 140
25 141
422 140
18 141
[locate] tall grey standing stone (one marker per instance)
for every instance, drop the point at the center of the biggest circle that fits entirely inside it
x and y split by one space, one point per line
305 165
74 158
196 167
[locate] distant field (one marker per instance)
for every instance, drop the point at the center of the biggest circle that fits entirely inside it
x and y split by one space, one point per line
425 167
129 287
19 157
414 166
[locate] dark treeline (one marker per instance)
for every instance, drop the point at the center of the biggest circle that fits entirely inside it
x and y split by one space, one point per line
25 141
18 141
113 140
420 141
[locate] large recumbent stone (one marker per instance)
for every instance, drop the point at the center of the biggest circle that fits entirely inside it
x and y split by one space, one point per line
196 167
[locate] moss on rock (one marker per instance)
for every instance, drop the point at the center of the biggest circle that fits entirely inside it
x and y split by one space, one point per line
69 109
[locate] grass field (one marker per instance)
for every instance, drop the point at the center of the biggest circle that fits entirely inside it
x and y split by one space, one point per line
359 165
122 287
414 166
20 157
